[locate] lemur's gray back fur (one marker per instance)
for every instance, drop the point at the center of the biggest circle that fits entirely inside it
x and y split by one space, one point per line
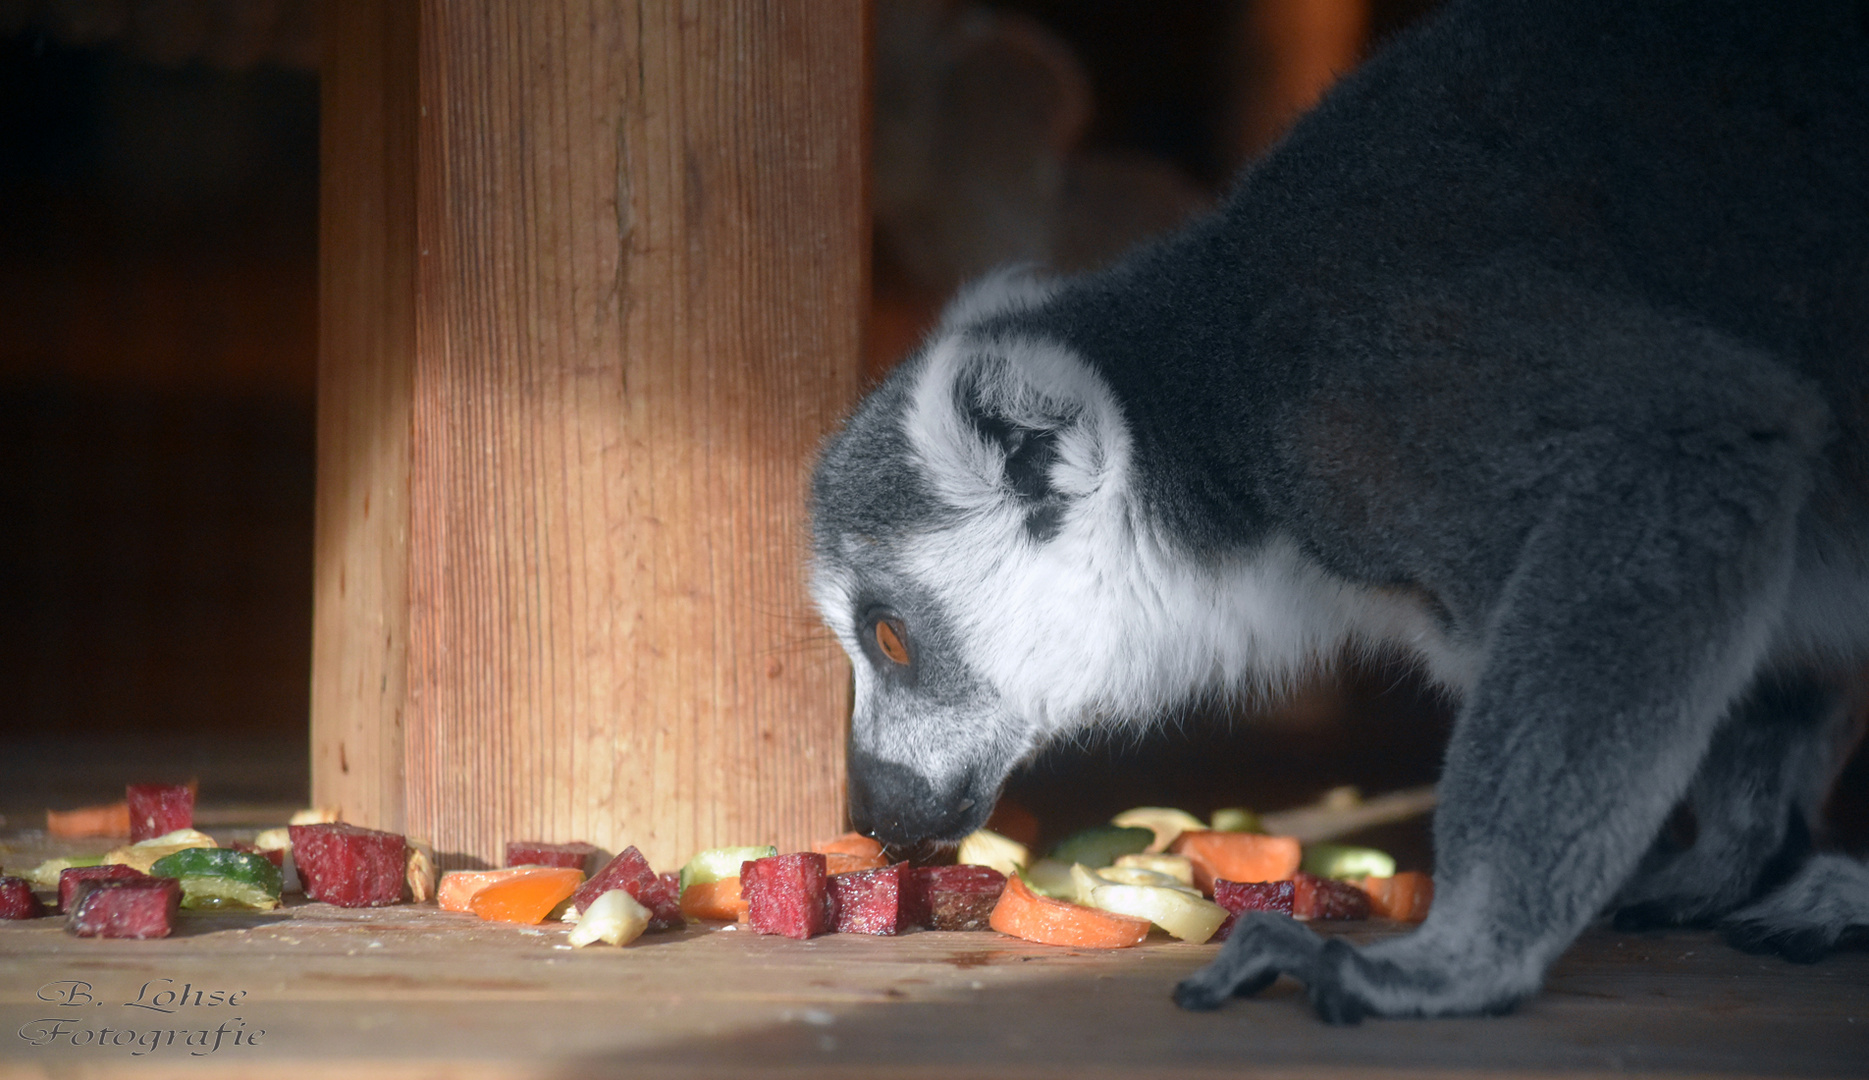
1539 351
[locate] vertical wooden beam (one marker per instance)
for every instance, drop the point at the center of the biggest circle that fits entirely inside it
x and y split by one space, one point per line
366 356
640 277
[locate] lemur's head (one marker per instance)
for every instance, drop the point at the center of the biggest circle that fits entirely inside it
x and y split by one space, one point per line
973 540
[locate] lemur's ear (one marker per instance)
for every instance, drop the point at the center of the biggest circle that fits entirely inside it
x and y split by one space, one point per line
1024 427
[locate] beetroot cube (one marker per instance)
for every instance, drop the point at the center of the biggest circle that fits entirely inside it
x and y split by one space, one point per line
577 856
956 897
870 901
157 809
630 872
787 894
125 908
1322 898
348 866
17 900
70 877
1243 896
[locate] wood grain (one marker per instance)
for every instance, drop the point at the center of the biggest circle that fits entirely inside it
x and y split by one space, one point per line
639 284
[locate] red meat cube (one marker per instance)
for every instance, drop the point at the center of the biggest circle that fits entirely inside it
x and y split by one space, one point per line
955 897
1322 898
630 872
870 901
125 908
788 894
157 809
577 856
70 877
348 866
17 900
1242 896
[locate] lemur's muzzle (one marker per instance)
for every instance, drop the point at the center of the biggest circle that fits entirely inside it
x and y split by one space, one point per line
900 806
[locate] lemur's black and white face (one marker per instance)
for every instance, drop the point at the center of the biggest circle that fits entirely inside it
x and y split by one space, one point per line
980 554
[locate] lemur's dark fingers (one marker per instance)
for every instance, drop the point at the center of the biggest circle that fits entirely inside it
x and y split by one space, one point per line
1262 946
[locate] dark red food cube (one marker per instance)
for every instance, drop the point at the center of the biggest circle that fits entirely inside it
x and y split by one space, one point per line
158 809
1322 898
788 894
348 866
630 872
870 901
1243 896
577 856
17 900
955 897
125 908
70 878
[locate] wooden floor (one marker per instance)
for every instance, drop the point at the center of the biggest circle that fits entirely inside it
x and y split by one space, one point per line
415 992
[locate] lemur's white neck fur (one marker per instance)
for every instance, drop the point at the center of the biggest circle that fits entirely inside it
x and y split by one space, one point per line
1110 618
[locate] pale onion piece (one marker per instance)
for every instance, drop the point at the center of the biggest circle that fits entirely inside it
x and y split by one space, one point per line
984 847
1179 867
1165 822
1084 880
316 815
1049 877
614 917
279 839
144 853
420 871
1136 875
1189 918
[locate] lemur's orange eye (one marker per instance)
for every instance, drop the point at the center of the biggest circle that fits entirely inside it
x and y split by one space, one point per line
889 640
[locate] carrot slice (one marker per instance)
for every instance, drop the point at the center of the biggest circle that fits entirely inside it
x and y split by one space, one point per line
1025 914
720 900
1237 856
457 887
851 843
527 897
1405 896
109 819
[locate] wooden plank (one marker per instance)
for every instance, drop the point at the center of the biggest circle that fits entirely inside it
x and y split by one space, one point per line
414 991
366 354
637 308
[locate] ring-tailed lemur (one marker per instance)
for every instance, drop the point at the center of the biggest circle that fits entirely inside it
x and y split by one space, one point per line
1540 351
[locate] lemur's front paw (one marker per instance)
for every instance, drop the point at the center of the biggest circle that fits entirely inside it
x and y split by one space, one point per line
1824 906
1261 947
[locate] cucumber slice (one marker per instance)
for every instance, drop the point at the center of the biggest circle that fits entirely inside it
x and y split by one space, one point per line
1178 867
720 863
1049 877
221 878
1189 918
1166 822
984 847
1236 819
1346 861
1099 846
1136 875
1084 881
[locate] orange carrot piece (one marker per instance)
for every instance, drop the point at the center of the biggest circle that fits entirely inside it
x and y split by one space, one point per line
719 900
108 819
839 863
528 896
1406 896
456 889
1025 914
1237 856
851 851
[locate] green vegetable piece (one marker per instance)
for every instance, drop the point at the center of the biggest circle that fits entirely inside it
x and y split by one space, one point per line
1236 819
717 864
1049 877
45 875
1098 846
222 878
1345 861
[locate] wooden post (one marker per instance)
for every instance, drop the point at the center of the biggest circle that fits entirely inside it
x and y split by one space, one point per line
638 278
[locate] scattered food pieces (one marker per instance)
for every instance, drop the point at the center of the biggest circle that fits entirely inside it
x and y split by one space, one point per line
614 917
1024 914
577 856
1099 846
1343 862
528 895
851 852
1236 819
1049 877
630 872
143 854
1178 867
315 815
983 847
72 877
87 822
871 901
17 900
1238 856
419 871
348 866
956 897
1406 896
1166 822
142 907
1303 896
222 878
719 901
455 891
44 877
1182 914
159 809
714 864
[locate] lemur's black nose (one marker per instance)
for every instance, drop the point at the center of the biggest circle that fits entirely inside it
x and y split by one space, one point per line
899 806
